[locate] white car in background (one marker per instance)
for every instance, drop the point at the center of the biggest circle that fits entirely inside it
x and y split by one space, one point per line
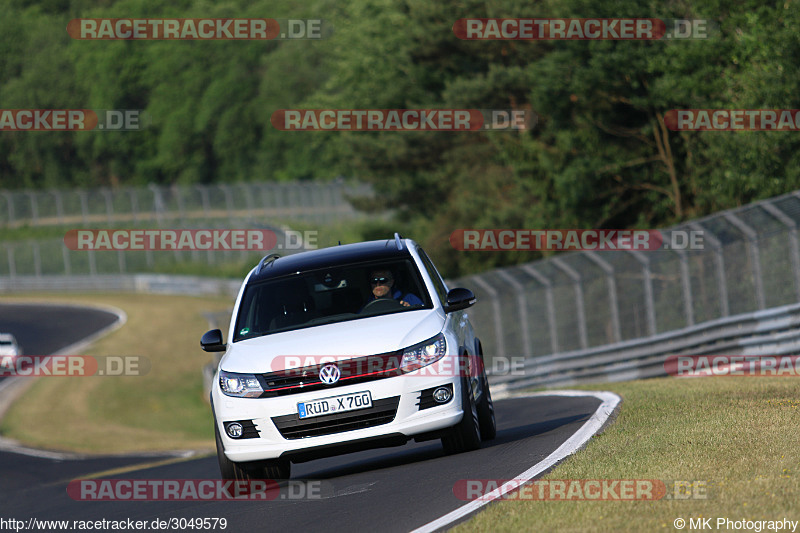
9 346
321 360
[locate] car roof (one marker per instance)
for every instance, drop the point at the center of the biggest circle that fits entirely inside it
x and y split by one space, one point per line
332 257
7 337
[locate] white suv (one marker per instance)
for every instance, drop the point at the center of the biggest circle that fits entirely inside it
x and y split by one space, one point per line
343 349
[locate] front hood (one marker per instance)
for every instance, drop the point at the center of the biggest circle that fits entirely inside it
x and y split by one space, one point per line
365 336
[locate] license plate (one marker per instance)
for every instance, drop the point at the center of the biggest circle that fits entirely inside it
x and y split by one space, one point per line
334 404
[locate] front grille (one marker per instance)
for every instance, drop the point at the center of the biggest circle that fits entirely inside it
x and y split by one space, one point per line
382 412
306 379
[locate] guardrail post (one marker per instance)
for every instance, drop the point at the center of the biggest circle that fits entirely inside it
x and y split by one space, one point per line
647 279
612 292
549 302
523 311
500 348
755 255
719 260
579 306
794 252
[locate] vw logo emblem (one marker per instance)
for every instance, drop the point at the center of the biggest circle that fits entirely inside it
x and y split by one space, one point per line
329 374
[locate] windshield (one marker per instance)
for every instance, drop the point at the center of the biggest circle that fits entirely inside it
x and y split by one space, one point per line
330 295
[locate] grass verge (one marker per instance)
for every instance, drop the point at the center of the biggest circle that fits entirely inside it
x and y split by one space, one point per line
162 410
738 435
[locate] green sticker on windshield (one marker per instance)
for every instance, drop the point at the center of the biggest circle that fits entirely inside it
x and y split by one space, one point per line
244 331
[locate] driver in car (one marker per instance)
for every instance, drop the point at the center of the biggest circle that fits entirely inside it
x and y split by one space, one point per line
382 283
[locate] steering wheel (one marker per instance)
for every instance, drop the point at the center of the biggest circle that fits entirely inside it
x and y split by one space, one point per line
382 304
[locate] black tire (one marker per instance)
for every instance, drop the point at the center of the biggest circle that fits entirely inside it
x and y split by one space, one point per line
466 435
276 469
485 408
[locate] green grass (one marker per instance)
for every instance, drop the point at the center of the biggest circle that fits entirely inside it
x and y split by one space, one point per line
738 435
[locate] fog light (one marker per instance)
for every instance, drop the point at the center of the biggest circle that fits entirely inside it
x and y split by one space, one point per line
234 430
441 395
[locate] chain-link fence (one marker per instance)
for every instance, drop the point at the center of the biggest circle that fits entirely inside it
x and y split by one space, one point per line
311 202
750 261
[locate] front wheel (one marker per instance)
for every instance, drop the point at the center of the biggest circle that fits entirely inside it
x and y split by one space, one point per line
276 469
486 408
464 436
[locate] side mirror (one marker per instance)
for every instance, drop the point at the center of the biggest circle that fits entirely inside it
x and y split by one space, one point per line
212 341
458 299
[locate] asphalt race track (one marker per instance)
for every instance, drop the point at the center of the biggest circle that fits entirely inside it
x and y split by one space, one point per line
390 489
45 329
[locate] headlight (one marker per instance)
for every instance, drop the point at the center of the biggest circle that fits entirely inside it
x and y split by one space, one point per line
424 353
239 385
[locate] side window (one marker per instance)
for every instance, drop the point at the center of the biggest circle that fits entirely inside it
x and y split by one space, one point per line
441 290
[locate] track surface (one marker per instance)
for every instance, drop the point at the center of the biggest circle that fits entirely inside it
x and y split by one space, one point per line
390 489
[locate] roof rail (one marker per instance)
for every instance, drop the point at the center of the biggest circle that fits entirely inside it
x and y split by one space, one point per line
397 241
267 261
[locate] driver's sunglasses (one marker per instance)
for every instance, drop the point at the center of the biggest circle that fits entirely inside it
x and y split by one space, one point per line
380 281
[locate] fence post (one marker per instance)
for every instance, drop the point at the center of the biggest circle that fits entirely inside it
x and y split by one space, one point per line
37 259
34 208
134 204
523 311
59 206
12 265
647 278
719 260
686 287
84 206
579 304
10 202
755 255
793 248
65 256
612 292
500 349
109 205
158 203
549 302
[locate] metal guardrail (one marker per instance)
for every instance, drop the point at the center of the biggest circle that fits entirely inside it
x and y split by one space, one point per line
767 332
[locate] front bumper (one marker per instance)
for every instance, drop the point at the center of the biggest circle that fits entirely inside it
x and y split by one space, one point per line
408 419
